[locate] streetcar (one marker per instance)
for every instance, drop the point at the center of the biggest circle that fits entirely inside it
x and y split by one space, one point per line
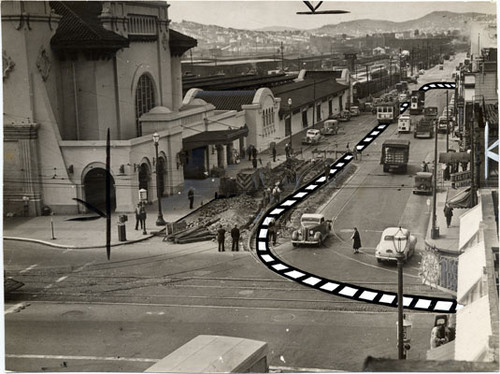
388 111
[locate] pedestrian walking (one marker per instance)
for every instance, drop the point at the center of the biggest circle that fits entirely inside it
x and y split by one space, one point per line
287 151
249 152
327 171
425 166
254 163
235 235
276 194
271 228
138 220
448 213
191 197
274 154
254 153
221 237
142 218
446 173
356 240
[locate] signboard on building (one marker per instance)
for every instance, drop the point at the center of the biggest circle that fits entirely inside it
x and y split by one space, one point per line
439 270
461 179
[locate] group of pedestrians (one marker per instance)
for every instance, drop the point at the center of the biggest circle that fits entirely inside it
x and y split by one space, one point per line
235 236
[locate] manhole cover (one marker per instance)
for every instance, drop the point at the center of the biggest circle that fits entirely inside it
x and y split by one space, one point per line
246 292
286 317
73 313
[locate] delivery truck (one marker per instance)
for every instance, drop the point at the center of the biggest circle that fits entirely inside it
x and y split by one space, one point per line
395 155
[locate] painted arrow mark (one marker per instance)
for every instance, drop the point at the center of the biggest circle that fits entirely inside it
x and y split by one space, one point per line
351 291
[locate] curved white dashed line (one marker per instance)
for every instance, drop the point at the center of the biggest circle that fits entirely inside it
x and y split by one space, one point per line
351 291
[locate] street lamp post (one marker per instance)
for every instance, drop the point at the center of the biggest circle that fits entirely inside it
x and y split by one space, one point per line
290 113
160 221
435 229
398 238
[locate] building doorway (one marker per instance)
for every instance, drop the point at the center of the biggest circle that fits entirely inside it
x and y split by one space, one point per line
144 178
95 189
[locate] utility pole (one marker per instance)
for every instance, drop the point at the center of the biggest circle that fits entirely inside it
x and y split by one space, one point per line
282 59
411 60
447 123
367 80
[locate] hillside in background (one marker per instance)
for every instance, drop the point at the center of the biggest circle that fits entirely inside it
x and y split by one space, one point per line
432 22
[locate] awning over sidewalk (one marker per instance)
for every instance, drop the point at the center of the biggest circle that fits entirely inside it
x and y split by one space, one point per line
206 138
451 157
461 200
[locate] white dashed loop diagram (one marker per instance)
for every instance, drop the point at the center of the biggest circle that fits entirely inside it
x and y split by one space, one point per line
351 291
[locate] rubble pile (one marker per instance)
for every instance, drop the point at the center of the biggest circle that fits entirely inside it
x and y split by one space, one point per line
204 223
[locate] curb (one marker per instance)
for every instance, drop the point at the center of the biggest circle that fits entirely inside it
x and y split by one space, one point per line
61 246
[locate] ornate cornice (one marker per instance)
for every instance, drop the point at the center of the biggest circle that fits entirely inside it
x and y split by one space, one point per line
19 131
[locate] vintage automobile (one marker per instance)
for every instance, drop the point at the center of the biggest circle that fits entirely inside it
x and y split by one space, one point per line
391 239
314 229
355 111
344 116
330 127
423 183
313 136
443 125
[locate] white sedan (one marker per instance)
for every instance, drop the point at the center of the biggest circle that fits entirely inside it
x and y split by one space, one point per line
393 239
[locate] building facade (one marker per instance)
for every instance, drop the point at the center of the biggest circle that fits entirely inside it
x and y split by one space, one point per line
72 71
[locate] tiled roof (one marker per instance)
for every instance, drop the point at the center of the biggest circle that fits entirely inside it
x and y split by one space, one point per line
80 27
305 92
227 100
180 43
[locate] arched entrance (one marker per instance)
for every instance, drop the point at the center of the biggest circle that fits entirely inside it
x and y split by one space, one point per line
95 189
144 177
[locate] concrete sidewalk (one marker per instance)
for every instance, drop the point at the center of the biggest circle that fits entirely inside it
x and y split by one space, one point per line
448 236
58 231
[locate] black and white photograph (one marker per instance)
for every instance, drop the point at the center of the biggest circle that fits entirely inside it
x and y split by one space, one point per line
250 186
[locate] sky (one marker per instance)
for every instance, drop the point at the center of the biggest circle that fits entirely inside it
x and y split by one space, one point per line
255 14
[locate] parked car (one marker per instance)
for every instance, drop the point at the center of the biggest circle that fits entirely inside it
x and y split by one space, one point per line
355 111
314 229
391 238
330 127
313 136
443 125
423 183
343 116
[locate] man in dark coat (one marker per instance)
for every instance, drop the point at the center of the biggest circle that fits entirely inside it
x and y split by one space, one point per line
356 240
274 154
235 235
191 198
254 153
272 231
448 213
138 217
221 234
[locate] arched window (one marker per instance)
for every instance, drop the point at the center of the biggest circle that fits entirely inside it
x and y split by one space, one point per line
144 99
